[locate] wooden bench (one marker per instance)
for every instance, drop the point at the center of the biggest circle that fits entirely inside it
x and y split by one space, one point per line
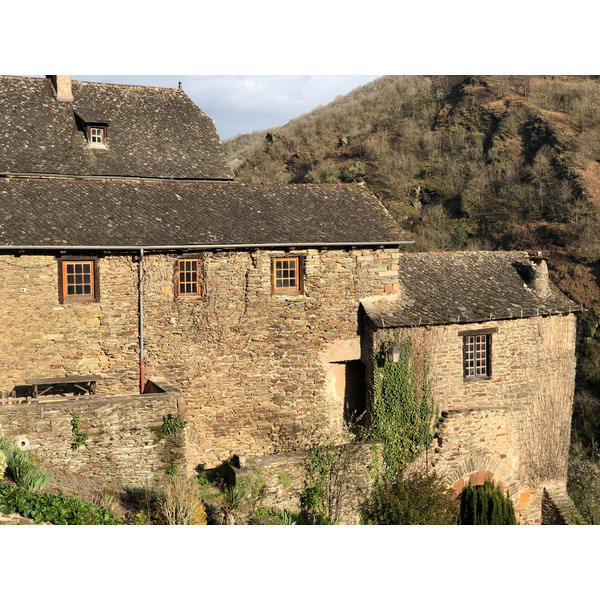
85 383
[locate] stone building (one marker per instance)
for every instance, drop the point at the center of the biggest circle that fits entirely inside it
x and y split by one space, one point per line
499 341
128 253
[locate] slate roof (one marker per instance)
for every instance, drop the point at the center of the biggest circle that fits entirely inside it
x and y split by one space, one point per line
463 287
153 132
38 212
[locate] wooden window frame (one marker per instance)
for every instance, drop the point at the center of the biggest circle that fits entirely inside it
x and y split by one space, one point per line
288 291
470 337
199 293
63 296
103 129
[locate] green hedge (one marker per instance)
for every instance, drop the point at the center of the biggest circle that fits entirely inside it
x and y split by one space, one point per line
48 507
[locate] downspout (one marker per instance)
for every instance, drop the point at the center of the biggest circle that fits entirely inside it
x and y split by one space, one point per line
141 316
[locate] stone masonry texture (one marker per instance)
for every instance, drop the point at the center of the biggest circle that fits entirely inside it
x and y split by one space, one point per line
122 445
257 369
513 427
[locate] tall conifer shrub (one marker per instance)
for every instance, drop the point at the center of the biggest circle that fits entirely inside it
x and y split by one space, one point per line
486 505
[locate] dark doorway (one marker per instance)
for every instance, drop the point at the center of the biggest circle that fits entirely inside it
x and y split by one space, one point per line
355 397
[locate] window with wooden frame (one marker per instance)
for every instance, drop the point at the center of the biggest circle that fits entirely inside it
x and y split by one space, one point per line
96 135
189 277
78 280
477 353
287 275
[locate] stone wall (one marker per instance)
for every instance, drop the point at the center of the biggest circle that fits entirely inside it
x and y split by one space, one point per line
557 507
260 371
122 447
515 426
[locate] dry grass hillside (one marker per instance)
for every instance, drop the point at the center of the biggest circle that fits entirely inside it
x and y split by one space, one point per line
467 162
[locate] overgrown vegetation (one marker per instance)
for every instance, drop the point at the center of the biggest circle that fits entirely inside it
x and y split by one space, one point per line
52 508
486 505
24 467
327 488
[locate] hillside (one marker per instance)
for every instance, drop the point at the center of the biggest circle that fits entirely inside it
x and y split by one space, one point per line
467 162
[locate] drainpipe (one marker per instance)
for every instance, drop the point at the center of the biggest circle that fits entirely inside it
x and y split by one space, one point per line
141 314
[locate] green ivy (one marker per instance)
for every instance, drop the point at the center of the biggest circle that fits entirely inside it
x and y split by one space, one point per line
404 412
79 436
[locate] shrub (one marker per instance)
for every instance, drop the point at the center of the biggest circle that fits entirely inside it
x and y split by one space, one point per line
179 502
486 505
52 508
420 499
24 467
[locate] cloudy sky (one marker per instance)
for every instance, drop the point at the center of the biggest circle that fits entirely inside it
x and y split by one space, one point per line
247 103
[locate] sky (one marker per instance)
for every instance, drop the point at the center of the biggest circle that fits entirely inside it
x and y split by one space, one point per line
247 103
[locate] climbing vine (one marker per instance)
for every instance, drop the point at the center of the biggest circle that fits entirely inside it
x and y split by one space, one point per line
404 412
79 436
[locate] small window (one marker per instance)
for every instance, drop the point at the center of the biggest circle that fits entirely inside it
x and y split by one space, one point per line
188 277
78 280
286 275
97 135
477 353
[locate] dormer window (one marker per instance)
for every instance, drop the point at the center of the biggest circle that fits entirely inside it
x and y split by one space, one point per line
97 136
94 125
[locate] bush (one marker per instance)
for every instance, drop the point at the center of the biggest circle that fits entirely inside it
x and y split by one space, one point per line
24 468
52 508
179 502
2 464
420 499
486 505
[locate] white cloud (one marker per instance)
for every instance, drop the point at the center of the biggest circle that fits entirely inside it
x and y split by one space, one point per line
246 103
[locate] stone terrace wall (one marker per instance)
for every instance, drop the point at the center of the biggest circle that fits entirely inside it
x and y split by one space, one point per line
121 448
257 369
284 476
515 425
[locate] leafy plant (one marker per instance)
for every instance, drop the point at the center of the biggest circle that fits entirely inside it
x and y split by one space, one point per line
172 424
141 517
233 498
52 508
289 518
172 470
24 468
79 436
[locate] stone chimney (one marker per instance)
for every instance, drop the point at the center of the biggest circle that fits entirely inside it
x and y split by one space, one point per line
540 283
62 87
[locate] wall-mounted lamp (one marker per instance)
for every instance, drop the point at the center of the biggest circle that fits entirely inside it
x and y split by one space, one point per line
393 354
